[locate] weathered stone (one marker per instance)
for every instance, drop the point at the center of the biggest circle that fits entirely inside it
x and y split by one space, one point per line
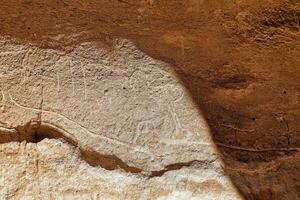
119 109
238 60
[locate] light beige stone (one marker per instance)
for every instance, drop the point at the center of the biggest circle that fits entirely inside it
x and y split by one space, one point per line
92 122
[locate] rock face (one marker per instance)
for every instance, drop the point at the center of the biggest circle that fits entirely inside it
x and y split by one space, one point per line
52 169
98 123
135 88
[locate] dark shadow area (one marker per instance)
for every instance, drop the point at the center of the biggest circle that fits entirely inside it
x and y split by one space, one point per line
239 60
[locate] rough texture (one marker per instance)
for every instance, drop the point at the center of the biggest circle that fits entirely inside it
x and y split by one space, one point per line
121 110
239 60
52 169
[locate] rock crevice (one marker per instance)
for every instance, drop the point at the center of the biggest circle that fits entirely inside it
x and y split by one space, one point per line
35 132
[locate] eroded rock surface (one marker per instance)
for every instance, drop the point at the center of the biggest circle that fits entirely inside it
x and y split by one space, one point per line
52 169
239 60
121 109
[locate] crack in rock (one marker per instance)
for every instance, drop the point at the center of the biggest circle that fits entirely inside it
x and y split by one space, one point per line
36 132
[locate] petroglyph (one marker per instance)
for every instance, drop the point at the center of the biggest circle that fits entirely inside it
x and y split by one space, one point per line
147 113
121 109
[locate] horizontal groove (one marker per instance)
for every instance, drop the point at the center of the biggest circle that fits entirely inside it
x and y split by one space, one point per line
35 132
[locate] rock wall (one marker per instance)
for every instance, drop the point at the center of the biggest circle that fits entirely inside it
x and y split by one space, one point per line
137 88
98 123
52 169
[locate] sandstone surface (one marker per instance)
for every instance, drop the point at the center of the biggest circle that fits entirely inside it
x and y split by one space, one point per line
99 123
136 88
